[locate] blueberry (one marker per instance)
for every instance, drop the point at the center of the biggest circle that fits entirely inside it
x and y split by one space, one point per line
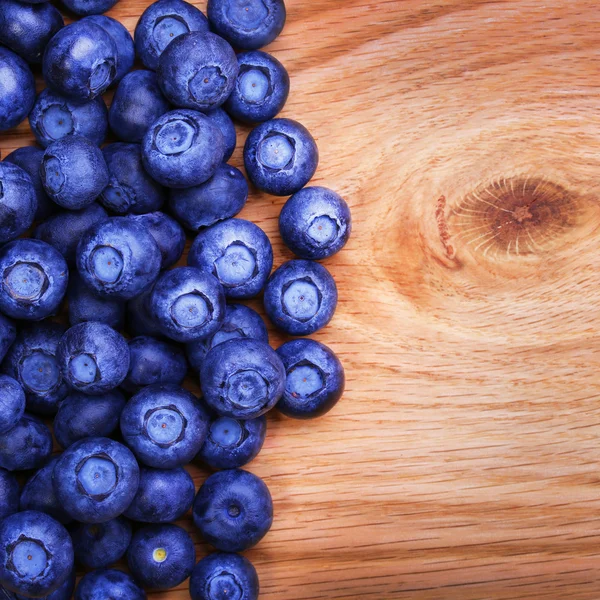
300 297
9 494
54 117
108 583
315 223
242 378
27 28
17 89
261 88
98 545
93 358
85 306
164 495
80 416
8 333
161 23
73 172
140 320
118 258
280 157
130 189
137 103
238 253
233 510
62 592
167 233
32 361
122 39
27 445
38 494
89 7
182 148
161 556
65 229
96 479
18 201
164 425
36 553
224 576
188 304
80 61
247 24
12 401
240 322
154 361
232 443
221 197
30 159
223 121
315 379
197 71
35 278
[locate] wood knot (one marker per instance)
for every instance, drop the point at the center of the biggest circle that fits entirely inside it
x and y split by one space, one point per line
515 217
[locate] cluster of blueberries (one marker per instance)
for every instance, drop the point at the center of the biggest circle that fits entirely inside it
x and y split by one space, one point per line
103 243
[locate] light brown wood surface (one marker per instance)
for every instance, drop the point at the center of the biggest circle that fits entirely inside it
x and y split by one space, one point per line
463 460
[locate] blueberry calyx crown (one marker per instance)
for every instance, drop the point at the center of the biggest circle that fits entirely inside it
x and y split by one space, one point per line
56 122
247 388
103 73
164 425
251 17
97 476
236 266
323 231
39 371
224 585
207 84
193 309
276 151
26 281
254 84
175 137
167 28
301 299
305 379
28 557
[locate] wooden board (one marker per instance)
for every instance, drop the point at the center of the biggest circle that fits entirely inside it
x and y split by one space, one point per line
462 463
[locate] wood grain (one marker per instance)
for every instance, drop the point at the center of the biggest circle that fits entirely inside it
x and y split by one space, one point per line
462 463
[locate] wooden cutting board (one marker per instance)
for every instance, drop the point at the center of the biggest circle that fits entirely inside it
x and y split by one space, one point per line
463 460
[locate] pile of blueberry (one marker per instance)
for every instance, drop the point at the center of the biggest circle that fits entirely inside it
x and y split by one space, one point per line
102 246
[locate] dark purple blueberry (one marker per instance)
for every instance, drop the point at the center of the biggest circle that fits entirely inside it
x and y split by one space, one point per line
238 253
9 494
247 24
35 278
261 88
223 121
80 61
93 358
233 510
89 7
17 89
80 416
118 258
315 223
223 575
300 297
161 557
154 361
85 305
98 545
32 361
108 583
233 443
18 200
198 71
221 197
28 445
12 403
36 554
280 157
242 378
96 479
164 425
164 495
188 304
